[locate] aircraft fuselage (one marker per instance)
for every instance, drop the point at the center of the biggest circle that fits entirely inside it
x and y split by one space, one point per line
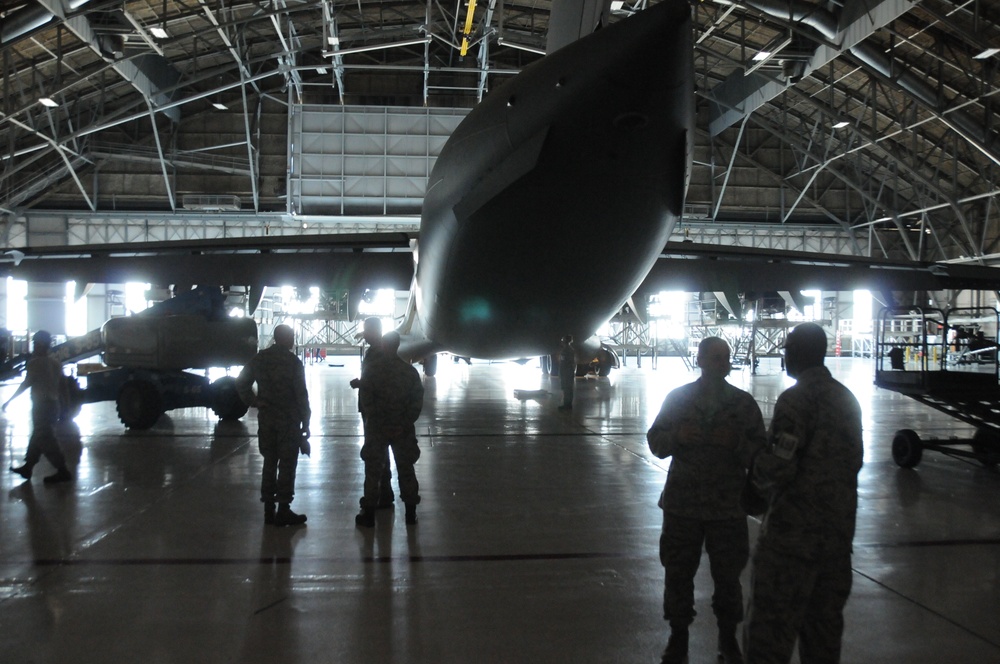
553 198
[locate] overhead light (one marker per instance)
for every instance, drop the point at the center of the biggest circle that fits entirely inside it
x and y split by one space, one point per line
47 101
841 124
988 53
521 47
159 33
616 5
375 47
761 56
320 70
221 107
333 41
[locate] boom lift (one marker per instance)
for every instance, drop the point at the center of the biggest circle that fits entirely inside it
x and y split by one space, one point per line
946 361
146 358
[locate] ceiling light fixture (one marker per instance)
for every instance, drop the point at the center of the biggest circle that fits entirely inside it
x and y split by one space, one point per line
376 47
521 47
841 124
159 33
221 107
760 56
988 53
320 70
48 101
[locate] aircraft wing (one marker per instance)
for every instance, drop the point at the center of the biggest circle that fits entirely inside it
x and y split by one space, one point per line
687 266
354 262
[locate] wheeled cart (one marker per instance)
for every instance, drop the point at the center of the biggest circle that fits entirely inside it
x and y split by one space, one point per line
948 361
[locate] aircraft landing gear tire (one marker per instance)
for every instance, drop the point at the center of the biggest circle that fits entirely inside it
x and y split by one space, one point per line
139 404
226 402
906 448
431 365
986 447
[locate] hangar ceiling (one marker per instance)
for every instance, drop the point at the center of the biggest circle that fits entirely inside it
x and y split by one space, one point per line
868 123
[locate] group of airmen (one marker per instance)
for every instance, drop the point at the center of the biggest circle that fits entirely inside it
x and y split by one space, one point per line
800 475
390 397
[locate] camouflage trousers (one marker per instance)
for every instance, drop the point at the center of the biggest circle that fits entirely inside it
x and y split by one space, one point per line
278 442
727 543
795 598
43 440
375 454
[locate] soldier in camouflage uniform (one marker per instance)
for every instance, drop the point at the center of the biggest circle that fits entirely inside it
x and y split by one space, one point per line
391 397
283 413
801 574
567 371
373 337
712 430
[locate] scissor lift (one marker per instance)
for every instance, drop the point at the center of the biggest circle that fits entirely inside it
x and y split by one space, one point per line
944 360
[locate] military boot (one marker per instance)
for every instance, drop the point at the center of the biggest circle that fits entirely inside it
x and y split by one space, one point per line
269 513
24 471
729 647
284 516
366 519
677 647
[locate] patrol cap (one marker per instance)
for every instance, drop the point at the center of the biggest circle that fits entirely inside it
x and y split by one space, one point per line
42 337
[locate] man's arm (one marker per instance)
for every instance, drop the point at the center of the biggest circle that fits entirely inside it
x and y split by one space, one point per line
244 385
302 398
778 463
664 436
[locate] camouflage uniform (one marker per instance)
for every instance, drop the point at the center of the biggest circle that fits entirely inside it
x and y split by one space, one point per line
711 433
567 374
43 374
283 409
802 564
392 396
386 496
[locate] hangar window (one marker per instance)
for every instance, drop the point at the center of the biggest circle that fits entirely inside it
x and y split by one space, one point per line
667 313
17 306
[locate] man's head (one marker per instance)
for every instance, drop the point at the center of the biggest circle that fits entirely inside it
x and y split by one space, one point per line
42 340
390 343
284 337
567 340
713 358
805 348
373 331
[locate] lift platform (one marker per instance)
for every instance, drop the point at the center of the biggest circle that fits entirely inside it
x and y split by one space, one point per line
948 361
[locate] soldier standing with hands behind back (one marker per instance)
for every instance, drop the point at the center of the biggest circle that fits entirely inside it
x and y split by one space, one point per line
392 397
712 430
283 413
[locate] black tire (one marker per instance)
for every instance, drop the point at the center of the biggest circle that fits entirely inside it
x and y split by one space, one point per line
73 404
906 448
226 402
986 447
431 365
139 404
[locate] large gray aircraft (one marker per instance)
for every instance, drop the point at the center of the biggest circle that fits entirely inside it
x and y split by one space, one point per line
548 208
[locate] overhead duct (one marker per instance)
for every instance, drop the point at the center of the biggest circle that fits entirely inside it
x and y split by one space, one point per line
826 23
28 18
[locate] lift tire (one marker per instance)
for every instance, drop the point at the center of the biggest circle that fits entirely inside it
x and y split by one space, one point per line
431 365
226 402
986 447
906 448
139 404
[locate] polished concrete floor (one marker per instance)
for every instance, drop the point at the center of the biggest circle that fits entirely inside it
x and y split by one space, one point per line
536 541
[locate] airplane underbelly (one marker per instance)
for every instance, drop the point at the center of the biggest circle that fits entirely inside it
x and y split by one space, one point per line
554 197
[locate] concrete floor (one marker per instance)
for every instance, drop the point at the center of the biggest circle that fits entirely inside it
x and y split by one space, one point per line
537 539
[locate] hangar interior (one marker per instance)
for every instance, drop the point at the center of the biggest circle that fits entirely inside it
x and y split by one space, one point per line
848 127
862 128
